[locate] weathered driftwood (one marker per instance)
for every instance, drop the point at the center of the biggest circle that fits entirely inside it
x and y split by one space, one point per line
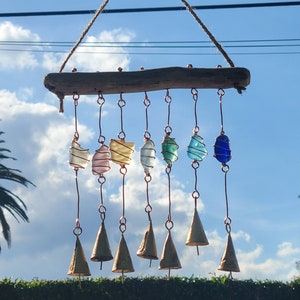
63 84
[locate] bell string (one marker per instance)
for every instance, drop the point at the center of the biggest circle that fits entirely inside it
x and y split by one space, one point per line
100 164
121 152
147 248
197 152
222 153
78 158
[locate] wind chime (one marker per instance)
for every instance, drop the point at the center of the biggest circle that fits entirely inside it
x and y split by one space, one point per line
120 151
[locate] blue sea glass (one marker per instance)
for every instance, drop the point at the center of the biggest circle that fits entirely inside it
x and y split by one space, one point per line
196 148
169 150
222 149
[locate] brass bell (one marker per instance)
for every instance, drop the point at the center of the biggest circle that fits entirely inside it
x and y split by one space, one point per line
101 251
228 261
78 265
169 259
147 247
196 235
122 263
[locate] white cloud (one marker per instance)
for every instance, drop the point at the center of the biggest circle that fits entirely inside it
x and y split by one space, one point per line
287 249
89 58
11 57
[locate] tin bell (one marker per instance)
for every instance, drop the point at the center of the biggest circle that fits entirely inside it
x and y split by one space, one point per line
196 235
122 263
147 247
229 261
101 251
78 265
169 259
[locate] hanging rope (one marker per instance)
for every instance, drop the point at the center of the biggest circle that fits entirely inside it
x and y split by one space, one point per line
98 12
212 38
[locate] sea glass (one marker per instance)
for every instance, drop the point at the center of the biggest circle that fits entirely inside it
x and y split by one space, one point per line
100 160
121 151
196 149
222 149
169 150
147 156
78 156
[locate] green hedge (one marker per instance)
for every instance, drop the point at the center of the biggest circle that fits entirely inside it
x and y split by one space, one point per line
150 288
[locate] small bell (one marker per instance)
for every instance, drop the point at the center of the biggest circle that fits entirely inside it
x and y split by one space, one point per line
148 156
101 251
222 149
169 150
147 247
196 235
78 265
169 259
196 149
229 261
100 160
122 263
121 151
78 157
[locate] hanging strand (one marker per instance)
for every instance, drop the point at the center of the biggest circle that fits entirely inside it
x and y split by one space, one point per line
77 230
221 93
121 104
123 221
169 223
147 103
100 101
227 220
212 38
168 100
76 134
98 12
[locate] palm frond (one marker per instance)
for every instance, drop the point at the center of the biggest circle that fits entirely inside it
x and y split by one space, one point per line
12 174
5 228
8 201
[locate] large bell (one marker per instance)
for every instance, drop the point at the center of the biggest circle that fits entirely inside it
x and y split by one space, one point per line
122 263
101 251
169 259
196 235
78 265
228 261
147 247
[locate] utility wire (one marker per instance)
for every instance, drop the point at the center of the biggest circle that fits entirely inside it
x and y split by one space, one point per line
149 9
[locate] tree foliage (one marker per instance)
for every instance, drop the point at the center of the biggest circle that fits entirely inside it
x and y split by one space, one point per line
9 201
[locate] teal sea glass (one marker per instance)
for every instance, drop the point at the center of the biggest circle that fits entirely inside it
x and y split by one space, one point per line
196 148
222 149
169 150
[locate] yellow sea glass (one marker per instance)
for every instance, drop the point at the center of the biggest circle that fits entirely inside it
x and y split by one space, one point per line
121 151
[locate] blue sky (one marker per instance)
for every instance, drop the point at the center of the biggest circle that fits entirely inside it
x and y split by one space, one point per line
262 125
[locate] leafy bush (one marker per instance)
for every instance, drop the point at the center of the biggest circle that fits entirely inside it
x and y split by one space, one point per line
149 288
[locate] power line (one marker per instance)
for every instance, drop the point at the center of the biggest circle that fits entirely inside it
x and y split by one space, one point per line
149 9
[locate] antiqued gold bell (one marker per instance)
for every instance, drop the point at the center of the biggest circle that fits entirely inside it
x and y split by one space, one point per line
196 235
169 259
101 251
147 247
78 265
122 263
229 261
